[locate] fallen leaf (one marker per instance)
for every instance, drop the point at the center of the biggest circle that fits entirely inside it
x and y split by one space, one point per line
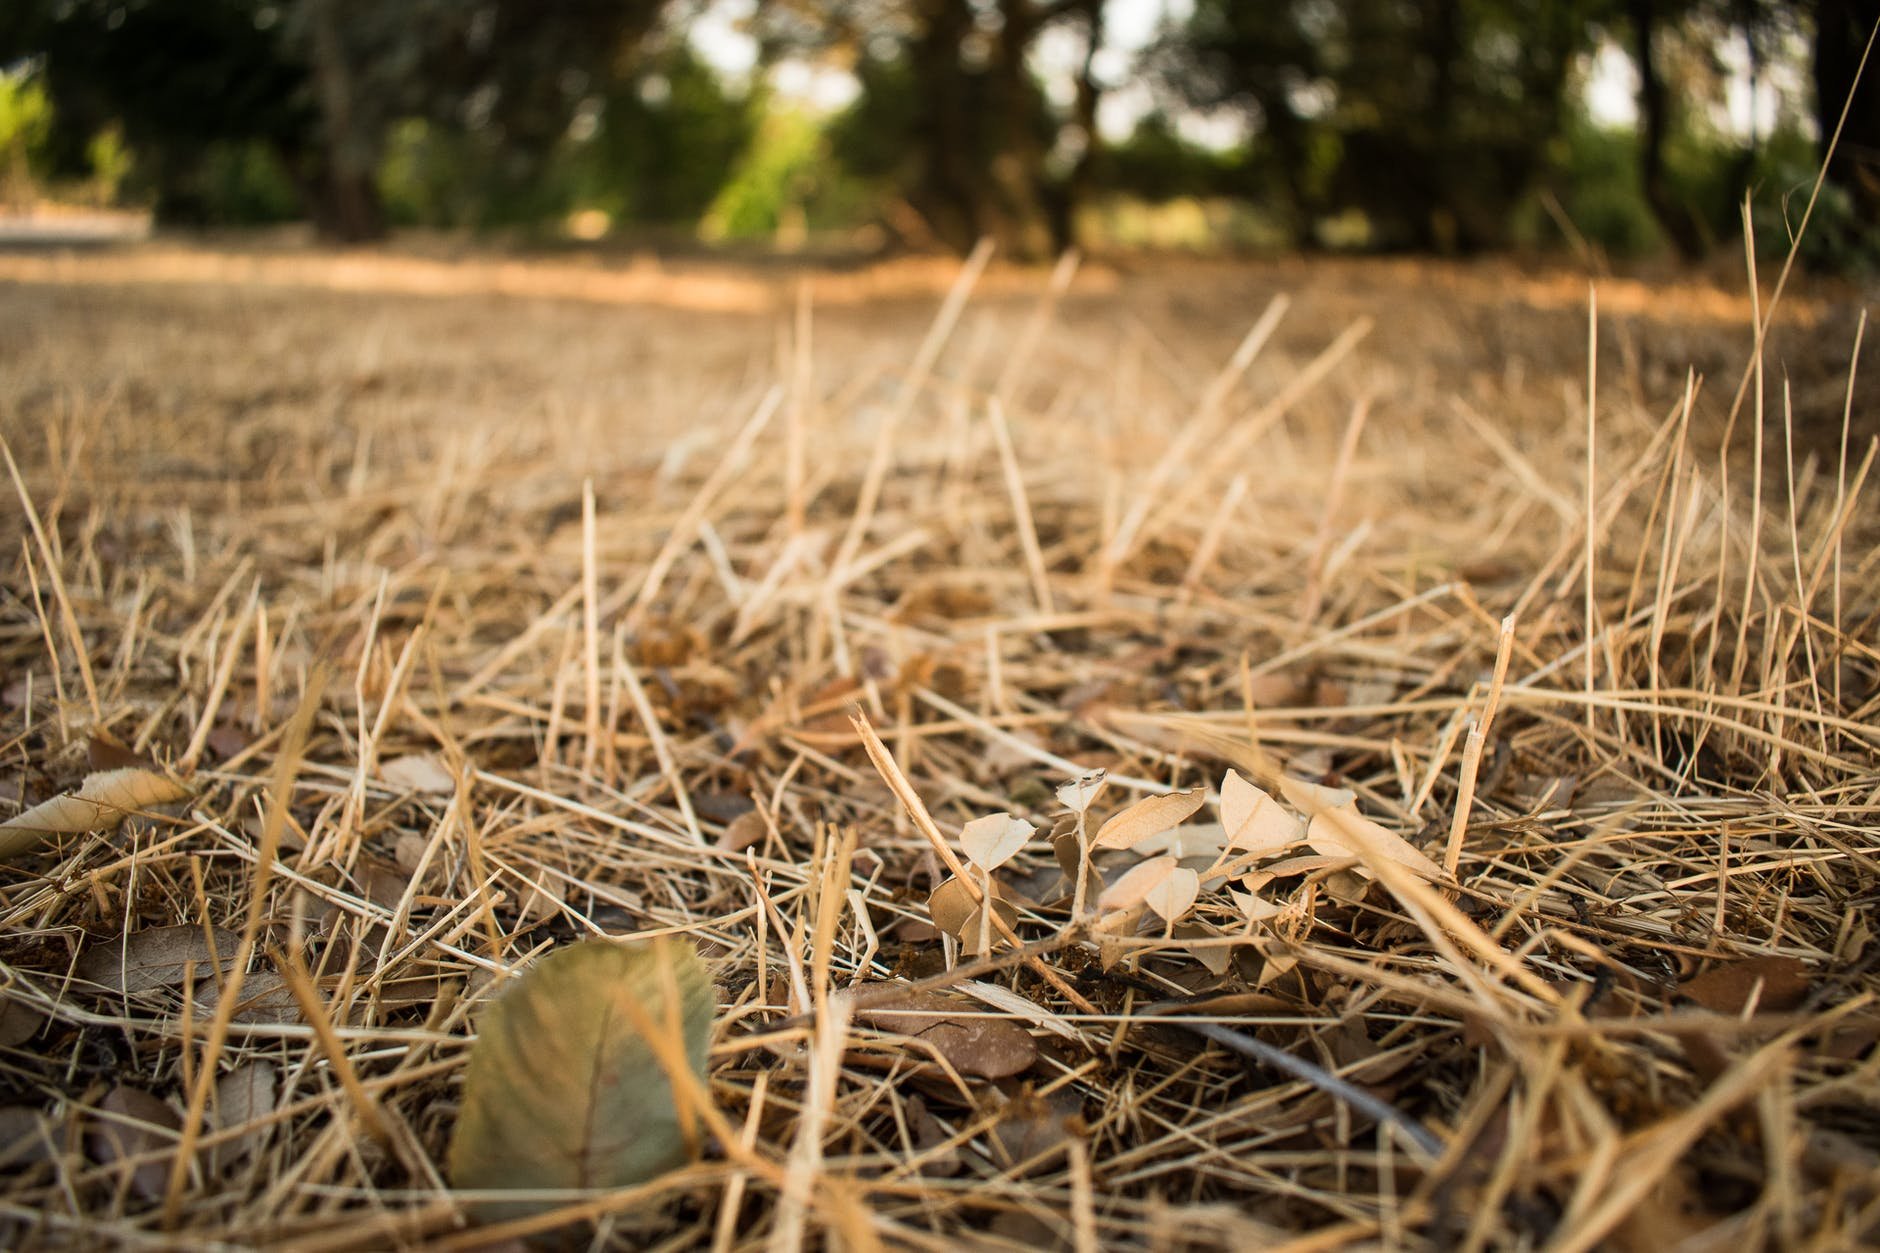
157 957
1256 908
1064 849
24 1140
1134 887
1033 1129
101 802
992 841
265 999
563 1090
103 752
989 1048
1175 894
954 910
1776 984
1149 816
421 772
1253 820
245 1097
1079 792
19 1022
1214 958
747 830
1337 829
131 1123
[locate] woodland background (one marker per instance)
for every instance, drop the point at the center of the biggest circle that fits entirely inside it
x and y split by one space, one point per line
1633 127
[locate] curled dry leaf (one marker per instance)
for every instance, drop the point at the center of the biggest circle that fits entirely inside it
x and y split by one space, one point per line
131 1123
420 772
973 1044
1077 795
157 957
992 841
955 912
101 802
1337 829
1254 821
1149 816
563 1090
1175 894
1065 849
1134 887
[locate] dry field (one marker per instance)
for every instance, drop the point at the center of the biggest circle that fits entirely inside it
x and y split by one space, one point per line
481 605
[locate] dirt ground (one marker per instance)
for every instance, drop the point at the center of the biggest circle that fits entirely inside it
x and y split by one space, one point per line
587 564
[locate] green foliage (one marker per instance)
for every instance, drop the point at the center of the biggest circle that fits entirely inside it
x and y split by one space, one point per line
665 143
25 125
772 182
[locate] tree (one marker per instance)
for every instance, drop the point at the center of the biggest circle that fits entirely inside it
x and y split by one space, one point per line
952 118
319 83
1843 29
1430 116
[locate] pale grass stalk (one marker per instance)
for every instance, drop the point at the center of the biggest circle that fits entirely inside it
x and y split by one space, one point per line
590 631
1472 750
74 636
1021 507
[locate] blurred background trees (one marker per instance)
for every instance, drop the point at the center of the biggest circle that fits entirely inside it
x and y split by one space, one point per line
1451 126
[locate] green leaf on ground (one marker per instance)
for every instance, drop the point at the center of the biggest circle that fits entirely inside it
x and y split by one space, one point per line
565 1091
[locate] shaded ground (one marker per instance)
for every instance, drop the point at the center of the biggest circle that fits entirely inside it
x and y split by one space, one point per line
1638 1010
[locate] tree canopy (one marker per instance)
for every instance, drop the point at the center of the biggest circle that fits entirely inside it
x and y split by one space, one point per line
1432 124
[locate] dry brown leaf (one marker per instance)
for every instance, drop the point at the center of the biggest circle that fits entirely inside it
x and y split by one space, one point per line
1134 887
25 1139
156 958
992 841
245 1097
1032 1129
1336 829
747 830
954 911
1214 958
1776 985
990 1048
420 772
1253 820
1149 816
131 1123
19 1022
1077 795
1175 894
101 802
265 999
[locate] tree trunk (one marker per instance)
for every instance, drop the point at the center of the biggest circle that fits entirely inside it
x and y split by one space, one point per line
1654 112
947 189
1842 29
340 189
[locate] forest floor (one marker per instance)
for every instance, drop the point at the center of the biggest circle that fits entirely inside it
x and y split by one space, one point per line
447 609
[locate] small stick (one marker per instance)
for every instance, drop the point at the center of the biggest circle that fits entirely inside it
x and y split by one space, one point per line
1305 1071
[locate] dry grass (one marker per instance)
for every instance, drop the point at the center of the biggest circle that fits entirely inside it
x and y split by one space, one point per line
245 481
